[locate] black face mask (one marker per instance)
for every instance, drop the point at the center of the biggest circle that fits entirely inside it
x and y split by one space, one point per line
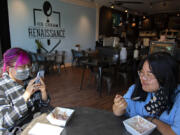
158 103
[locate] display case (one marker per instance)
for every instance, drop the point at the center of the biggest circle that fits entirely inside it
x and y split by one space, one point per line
157 46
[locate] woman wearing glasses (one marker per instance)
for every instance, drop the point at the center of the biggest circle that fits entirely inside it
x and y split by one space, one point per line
18 99
155 95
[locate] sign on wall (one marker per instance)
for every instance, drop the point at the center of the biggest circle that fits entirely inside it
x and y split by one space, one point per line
47 26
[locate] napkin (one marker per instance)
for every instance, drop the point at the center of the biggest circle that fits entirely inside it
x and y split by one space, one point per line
45 129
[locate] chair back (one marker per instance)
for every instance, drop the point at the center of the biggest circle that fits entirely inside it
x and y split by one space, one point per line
50 57
33 56
63 56
72 51
60 57
108 54
78 53
40 57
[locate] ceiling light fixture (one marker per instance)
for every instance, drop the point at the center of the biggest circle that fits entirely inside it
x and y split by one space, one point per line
112 6
133 24
126 11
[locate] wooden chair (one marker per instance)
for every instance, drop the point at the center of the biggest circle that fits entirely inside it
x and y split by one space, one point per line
60 60
50 62
77 56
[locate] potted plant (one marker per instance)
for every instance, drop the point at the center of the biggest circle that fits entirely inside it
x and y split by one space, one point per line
39 46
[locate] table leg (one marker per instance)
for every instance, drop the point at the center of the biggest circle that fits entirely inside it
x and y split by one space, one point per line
100 81
82 78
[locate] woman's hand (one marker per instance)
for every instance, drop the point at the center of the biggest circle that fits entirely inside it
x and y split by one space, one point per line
30 89
33 87
42 87
119 106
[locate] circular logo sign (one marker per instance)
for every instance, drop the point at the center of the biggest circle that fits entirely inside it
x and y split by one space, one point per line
47 8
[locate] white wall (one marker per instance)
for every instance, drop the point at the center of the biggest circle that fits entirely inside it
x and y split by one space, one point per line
79 23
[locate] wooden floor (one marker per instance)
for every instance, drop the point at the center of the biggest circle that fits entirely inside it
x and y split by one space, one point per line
64 89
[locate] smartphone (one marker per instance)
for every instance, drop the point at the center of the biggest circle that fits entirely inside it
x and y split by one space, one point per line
40 74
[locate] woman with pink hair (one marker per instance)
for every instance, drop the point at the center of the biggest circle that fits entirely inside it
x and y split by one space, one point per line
19 99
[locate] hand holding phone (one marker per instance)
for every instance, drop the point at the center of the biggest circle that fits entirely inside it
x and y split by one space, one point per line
40 74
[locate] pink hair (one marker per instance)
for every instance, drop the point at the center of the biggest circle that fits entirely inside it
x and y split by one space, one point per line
15 55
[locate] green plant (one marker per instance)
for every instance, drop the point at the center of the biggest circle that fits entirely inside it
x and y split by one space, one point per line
39 44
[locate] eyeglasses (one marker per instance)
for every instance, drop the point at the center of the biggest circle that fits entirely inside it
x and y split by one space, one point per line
148 75
23 66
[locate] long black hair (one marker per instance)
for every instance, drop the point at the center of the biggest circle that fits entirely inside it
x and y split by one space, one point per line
165 69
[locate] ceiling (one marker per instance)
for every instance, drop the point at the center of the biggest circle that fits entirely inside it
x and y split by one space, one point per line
147 7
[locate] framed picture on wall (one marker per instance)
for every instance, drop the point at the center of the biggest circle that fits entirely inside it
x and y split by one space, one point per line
157 46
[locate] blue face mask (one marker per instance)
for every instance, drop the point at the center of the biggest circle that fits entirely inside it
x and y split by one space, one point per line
22 74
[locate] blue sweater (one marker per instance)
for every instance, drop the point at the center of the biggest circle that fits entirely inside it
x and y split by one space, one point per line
137 108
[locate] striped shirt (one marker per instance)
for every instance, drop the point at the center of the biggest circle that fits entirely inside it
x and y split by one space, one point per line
12 104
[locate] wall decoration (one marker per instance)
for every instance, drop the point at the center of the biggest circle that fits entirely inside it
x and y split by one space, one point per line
46 30
76 24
